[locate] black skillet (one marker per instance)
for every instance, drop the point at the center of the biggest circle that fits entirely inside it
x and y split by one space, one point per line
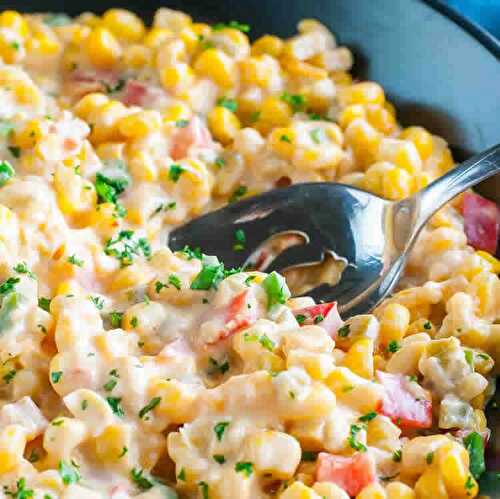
441 70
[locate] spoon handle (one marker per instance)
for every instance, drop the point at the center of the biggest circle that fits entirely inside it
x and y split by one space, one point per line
457 180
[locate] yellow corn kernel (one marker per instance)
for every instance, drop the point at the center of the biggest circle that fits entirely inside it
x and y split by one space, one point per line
380 118
445 161
12 443
201 29
484 286
274 113
156 36
131 276
10 51
110 444
398 184
142 167
105 220
350 113
216 65
103 49
257 71
75 195
453 473
364 141
176 112
402 153
341 78
334 133
137 125
431 485
124 24
421 180
14 21
301 69
29 136
137 56
421 138
319 366
190 39
372 491
367 92
88 104
178 400
375 175
89 19
223 124
495 263
68 287
268 44
43 44
281 141
394 323
399 490
299 491
359 358
104 122
176 77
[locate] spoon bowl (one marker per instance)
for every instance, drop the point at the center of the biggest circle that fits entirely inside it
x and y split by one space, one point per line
372 235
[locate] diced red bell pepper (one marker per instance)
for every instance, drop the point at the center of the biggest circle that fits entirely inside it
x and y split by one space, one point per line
137 93
352 474
325 315
235 317
481 222
401 405
195 134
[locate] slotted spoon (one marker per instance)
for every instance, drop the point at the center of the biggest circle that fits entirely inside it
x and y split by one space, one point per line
372 235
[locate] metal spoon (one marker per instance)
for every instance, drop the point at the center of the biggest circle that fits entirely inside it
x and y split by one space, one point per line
373 235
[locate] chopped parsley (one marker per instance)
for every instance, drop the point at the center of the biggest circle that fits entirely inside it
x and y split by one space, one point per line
276 289
220 428
244 467
116 318
238 193
317 135
114 403
244 28
109 386
134 322
393 346
469 483
123 452
6 128
429 457
192 254
84 405
22 268
75 261
240 240
22 492
266 342
296 101
427 325
15 151
368 417
142 482
219 458
220 162
174 281
117 87
300 319
249 279
9 376
8 285
286 138
111 183
204 489
319 318
309 456
175 171
44 303
397 456
6 172
68 472
125 246
55 376
469 358
344 331
215 367
97 301
355 429
149 407
182 123
182 475
227 103
211 275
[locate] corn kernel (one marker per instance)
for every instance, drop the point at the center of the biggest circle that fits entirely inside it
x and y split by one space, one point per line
495 263
29 136
430 485
281 141
372 491
12 443
367 92
139 124
178 400
156 36
177 77
15 22
268 44
380 118
223 124
421 138
399 490
215 64
299 491
359 358
300 69
103 49
110 444
364 141
124 24
350 113
274 113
